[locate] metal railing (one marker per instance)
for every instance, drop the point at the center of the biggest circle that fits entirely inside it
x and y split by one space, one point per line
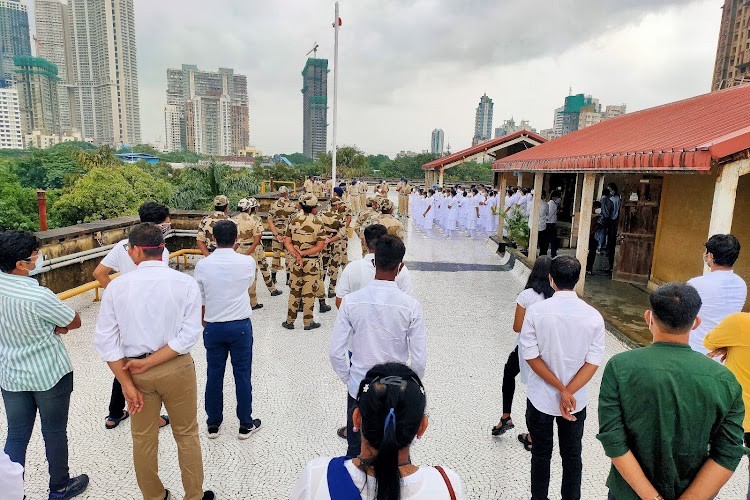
271 184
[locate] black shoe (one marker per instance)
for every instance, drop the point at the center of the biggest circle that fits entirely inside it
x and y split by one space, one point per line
324 308
276 293
288 326
208 495
75 486
273 276
331 294
246 431
213 431
167 494
312 326
257 306
287 282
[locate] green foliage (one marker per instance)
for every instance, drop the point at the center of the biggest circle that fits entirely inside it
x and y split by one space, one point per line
197 186
376 161
17 204
408 166
48 168
517 225
298 159
471 171
109 191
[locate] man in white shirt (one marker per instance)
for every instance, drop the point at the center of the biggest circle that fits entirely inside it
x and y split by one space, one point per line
223 278
550 238
722 291
381 323
118 260
562 339
360 273
149 321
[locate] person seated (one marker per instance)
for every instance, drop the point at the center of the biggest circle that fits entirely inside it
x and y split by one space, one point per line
390 414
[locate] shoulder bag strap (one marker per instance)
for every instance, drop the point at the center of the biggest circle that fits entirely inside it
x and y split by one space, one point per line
451 492
340 484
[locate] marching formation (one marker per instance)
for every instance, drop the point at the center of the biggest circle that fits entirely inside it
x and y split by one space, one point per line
671 419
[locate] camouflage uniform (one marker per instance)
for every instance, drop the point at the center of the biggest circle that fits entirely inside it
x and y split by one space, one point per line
343 243
360 224
248 227
304 231
391 223
206 229
333 225
280 212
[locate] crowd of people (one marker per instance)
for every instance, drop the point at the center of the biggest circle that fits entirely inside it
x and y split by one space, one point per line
671 419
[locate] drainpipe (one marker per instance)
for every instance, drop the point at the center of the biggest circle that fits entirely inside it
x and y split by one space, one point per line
41 199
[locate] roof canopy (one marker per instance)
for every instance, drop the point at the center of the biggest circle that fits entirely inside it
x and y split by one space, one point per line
689 136
492 147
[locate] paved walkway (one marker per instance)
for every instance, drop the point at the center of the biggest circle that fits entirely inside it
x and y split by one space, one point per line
469 310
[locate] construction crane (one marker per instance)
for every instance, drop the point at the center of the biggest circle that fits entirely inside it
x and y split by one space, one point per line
314 51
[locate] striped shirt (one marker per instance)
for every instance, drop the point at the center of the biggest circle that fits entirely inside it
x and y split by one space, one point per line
32 356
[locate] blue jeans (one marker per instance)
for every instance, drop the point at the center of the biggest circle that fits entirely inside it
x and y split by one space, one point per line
233 338
53 406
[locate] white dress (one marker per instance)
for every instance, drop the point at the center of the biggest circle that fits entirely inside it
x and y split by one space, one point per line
525 299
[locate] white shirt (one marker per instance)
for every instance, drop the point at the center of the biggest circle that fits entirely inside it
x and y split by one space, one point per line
722 293
360 273
566 332
145 310
223 278
551 212
383 324
11 478
425 484
118 259
525 299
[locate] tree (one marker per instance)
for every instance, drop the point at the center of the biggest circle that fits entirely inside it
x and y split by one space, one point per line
471 171
17 204
350 162
297 158
406 166
48 168
102 157
197 186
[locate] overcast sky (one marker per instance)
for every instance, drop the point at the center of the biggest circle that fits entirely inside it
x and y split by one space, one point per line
409 66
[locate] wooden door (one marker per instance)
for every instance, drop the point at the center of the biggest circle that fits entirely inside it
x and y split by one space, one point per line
637 232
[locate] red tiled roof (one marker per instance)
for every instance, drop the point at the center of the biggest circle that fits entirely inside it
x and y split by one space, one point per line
689 135
480 148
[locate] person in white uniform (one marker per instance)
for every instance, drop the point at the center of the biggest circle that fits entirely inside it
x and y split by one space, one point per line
722 291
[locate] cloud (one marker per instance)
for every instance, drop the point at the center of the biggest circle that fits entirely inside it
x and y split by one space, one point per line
408 66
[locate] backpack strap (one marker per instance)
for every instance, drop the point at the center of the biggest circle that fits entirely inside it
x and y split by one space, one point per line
447 480
340 484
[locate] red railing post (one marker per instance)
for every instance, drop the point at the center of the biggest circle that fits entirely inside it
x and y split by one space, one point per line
41 198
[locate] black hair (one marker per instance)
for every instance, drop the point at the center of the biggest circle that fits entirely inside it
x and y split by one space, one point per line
475 190
153 212
555 194
373 233
389 252
539 277
390 388
306 209
147 234
220 208
15 246
225 233
597 204
565 271
725 248
675 306
431 192
613 189
453 192
605 192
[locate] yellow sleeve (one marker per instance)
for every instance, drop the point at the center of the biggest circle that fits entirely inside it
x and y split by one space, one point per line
734 331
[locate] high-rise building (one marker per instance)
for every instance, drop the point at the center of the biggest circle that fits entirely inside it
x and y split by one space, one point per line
732 65
483 121
11 136
581 111
14 38
36 80
104 103
438 139
315 107
53 43
510 127
206 111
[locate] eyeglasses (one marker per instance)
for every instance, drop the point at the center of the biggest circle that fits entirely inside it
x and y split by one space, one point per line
33 257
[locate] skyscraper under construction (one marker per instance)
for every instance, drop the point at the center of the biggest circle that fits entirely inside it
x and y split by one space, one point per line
733 52
315 107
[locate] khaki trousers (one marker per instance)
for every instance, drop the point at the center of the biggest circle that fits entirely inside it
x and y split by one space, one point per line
173 384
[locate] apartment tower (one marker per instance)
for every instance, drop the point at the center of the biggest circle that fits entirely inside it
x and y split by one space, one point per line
14 38
36 80
438 139
483 121
315 107
732 65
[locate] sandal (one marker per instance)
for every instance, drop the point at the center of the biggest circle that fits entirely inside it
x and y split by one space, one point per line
115 421
504 427
341 432
166 421
525 440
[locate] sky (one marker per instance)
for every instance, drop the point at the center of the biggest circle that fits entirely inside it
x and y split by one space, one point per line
410 66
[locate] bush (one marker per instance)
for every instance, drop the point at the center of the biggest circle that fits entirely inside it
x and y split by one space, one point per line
517 226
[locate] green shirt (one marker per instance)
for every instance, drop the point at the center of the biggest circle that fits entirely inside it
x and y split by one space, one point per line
32 356
673 408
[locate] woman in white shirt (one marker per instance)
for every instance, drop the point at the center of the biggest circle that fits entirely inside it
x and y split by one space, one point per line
390 414
537 289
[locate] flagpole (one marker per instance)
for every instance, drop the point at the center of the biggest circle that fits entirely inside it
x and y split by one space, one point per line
335 90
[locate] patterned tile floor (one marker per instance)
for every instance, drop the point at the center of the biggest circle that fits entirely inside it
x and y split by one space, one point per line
301 401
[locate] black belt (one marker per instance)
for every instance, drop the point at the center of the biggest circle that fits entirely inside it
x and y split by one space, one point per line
142 356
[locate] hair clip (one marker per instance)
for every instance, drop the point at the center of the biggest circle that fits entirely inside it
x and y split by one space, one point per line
367 386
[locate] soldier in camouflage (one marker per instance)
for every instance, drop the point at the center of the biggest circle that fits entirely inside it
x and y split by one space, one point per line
305 240
205 240
335 231
360 224
394 226
343 244
249 233
278 217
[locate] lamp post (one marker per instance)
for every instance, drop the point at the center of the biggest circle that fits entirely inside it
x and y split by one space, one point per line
336 25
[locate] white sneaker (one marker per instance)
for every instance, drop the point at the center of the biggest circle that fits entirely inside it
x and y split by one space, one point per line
213 431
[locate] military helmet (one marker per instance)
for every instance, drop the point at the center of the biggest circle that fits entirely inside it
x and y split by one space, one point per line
243 204
221 201
283 190
252 203
385 205
308 200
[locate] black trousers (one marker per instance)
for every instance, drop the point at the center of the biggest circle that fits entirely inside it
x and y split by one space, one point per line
550 241
569 434
512 368
353 439
611 242
593 244
116 400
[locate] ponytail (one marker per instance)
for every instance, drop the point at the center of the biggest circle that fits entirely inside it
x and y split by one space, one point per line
386 464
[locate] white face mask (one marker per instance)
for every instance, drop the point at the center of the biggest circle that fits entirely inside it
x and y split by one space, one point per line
37 265
598 211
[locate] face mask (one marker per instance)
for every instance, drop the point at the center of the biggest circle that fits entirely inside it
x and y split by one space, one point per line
598 211
37 265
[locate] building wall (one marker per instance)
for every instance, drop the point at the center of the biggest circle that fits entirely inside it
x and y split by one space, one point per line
10 120
14 37
53 44
683 227
315 107
36 80
732 66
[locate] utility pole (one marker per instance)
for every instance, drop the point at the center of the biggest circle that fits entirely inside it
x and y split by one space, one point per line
336 25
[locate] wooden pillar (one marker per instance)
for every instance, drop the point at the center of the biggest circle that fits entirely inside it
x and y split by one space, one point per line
576 210
501 203
584 227
600 188
534 215
427 178
520 179
440 178
725 195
